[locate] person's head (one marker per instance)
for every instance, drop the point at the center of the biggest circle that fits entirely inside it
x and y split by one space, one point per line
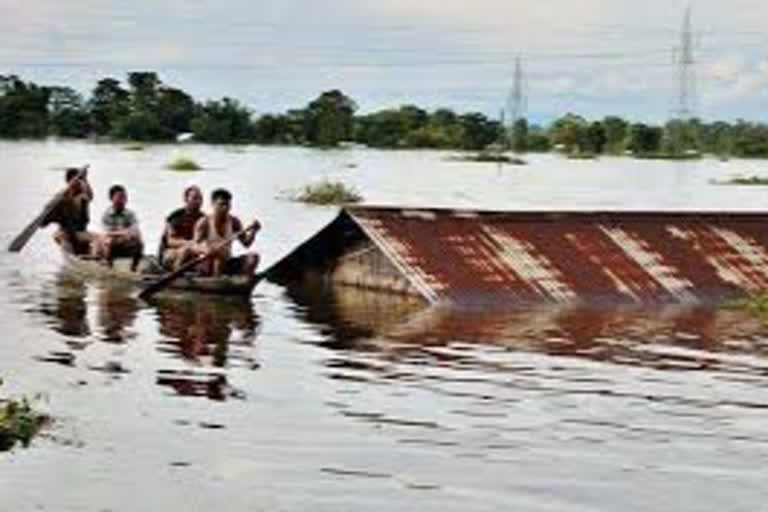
193 198
71 174
118 196
221 201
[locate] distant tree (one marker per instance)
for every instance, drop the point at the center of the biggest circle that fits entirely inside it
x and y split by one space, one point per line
569 131
329 119
519 139
615 134
23 108
68 116
175 110
477 131
594 138
644 139
109 102
224 121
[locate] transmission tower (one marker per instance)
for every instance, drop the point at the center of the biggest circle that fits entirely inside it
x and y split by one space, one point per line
516 102
686 107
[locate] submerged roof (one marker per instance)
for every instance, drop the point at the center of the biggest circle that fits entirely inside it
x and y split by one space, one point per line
520 258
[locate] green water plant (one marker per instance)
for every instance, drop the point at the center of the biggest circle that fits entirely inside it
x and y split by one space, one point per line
184 164
133 147
19 423
756 306
744 180
327 193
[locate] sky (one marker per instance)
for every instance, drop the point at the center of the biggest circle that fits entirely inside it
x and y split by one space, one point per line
593 57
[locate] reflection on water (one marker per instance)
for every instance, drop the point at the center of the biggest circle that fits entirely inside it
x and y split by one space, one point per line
63 305
209 332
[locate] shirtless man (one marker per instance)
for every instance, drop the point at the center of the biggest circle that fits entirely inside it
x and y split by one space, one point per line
72 214
178 245
121 237
212 230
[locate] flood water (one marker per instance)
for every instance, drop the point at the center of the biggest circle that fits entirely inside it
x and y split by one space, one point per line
332 400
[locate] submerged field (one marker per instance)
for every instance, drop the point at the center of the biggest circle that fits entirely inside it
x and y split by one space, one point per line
307 399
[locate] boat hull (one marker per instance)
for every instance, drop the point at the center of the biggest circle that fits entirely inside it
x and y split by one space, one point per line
149 272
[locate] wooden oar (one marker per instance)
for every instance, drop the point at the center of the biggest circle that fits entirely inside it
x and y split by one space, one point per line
168 279
21 240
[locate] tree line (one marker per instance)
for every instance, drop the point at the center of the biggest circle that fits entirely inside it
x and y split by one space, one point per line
145 109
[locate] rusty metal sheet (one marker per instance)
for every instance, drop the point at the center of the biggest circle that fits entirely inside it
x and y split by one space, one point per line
522 258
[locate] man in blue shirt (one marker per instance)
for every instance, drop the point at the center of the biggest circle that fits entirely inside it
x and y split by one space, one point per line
121 237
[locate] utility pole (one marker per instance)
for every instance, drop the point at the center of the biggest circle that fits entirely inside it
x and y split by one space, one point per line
516 102
682 139
687 71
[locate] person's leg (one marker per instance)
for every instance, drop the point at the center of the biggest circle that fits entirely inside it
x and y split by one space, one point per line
61 238
138 252
250 263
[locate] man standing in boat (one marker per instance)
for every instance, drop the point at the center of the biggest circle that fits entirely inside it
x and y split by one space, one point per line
72 214
213 231
121 237
177 245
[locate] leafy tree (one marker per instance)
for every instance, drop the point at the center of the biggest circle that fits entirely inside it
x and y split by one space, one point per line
570 132
520 136
329 119
615 129
594 138
224 121
109 102
23 108
68 116
175 110
644 139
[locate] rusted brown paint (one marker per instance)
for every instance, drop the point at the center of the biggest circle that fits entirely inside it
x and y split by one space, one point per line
520 258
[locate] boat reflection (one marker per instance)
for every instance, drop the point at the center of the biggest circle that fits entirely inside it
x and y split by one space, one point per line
209 333
64 306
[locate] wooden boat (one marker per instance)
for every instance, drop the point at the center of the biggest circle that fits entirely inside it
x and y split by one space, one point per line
150 271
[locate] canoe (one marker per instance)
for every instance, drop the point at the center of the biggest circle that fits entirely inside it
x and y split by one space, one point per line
150 271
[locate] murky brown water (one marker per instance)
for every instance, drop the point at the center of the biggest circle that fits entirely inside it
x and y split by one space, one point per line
345 400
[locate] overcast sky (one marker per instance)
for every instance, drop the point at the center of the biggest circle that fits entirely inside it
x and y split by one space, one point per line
589 56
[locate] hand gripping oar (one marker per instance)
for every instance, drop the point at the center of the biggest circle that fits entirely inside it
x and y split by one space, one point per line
21 240
168 279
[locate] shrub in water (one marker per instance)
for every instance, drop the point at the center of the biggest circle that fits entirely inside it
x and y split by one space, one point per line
327 192
184 164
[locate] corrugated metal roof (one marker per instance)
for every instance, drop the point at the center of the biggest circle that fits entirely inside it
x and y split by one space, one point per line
523 258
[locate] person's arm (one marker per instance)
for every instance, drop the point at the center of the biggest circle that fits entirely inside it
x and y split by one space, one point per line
201 231
247 237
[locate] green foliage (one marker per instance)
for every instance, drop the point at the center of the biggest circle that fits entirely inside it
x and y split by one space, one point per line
221 122
328 193
755 306
644 139
184 164
23 108
19 423
329 119
745 180
146 109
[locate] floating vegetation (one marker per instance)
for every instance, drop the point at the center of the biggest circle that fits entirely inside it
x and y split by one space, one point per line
326 193
582 155
490 157
184 164
133 147
19 423
757 306
743 180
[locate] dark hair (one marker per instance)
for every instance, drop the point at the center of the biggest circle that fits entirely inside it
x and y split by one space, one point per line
189 190
221 193
114 189
71 173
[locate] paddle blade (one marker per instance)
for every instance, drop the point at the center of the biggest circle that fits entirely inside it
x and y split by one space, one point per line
21 240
